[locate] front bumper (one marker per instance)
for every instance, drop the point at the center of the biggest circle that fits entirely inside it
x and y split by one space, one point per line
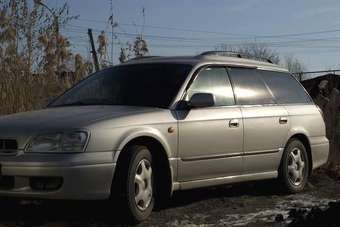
84 176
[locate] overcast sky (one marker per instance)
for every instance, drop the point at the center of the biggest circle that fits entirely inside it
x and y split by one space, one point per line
308 29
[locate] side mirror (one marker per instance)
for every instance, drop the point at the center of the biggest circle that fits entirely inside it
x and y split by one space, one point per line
200 100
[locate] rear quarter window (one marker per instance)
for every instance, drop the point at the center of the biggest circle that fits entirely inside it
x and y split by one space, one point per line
285 88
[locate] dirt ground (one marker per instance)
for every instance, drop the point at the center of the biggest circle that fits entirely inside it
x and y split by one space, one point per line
251 204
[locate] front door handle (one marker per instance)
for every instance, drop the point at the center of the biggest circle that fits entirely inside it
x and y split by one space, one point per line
283 120
234 123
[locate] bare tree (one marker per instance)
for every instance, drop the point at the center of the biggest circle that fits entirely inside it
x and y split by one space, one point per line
260 50
137 48
102 48
140 47
293 64
125 52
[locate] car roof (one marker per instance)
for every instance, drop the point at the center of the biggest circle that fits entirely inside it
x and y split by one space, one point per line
208 59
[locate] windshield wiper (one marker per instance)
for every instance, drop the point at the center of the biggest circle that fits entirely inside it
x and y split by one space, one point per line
78 103
87 102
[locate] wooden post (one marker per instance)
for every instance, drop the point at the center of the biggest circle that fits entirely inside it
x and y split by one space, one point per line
94 52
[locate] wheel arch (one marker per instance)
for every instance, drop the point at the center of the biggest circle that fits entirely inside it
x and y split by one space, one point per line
147 133
160 152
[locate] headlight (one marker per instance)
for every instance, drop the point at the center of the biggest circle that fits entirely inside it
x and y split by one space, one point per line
68 142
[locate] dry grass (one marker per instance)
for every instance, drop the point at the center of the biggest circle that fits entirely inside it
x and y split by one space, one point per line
19 93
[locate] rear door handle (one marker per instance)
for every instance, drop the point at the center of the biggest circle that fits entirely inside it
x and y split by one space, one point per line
283 120
234 123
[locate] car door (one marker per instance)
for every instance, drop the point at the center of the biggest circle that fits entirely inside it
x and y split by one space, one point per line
211 138
265 123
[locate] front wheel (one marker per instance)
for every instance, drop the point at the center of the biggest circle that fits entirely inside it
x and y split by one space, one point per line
136 183
294 169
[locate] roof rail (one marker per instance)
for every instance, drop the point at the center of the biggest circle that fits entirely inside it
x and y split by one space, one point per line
235 54
142 57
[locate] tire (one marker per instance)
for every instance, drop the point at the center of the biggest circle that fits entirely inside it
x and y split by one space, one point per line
135 183
294 168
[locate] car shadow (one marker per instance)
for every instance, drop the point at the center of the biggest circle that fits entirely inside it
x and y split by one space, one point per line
31 213
102 213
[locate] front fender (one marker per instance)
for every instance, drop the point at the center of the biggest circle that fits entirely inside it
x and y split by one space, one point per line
142 132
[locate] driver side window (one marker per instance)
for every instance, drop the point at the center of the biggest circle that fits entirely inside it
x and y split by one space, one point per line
213 80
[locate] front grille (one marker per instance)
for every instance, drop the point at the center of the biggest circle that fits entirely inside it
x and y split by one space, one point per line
8 145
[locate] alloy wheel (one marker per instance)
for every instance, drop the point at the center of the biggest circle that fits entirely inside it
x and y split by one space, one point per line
143 185
296 167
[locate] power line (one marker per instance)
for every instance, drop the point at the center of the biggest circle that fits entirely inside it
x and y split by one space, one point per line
169 28
160 45
183 38
282 35
313 44
219 42
301 34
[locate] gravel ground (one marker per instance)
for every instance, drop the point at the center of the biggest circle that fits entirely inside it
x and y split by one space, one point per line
251 204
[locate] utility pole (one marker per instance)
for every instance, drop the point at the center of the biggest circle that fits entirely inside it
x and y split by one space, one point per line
94 52
111 7
56 21
113 25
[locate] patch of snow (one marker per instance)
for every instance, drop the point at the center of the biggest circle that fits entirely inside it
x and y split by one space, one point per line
245 219
282 207
186 223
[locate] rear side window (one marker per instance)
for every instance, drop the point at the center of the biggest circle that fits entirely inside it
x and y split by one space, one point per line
284 87
249 87
215 81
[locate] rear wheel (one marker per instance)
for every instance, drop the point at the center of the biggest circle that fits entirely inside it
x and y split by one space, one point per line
294 169
135 180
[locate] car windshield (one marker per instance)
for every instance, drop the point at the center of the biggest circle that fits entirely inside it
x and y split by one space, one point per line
133 85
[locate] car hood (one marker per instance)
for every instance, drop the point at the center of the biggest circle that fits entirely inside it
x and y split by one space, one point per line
23 125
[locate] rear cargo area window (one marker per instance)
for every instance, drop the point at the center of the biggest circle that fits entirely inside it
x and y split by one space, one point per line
285 88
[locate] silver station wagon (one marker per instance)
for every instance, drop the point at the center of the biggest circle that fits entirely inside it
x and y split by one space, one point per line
139 131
